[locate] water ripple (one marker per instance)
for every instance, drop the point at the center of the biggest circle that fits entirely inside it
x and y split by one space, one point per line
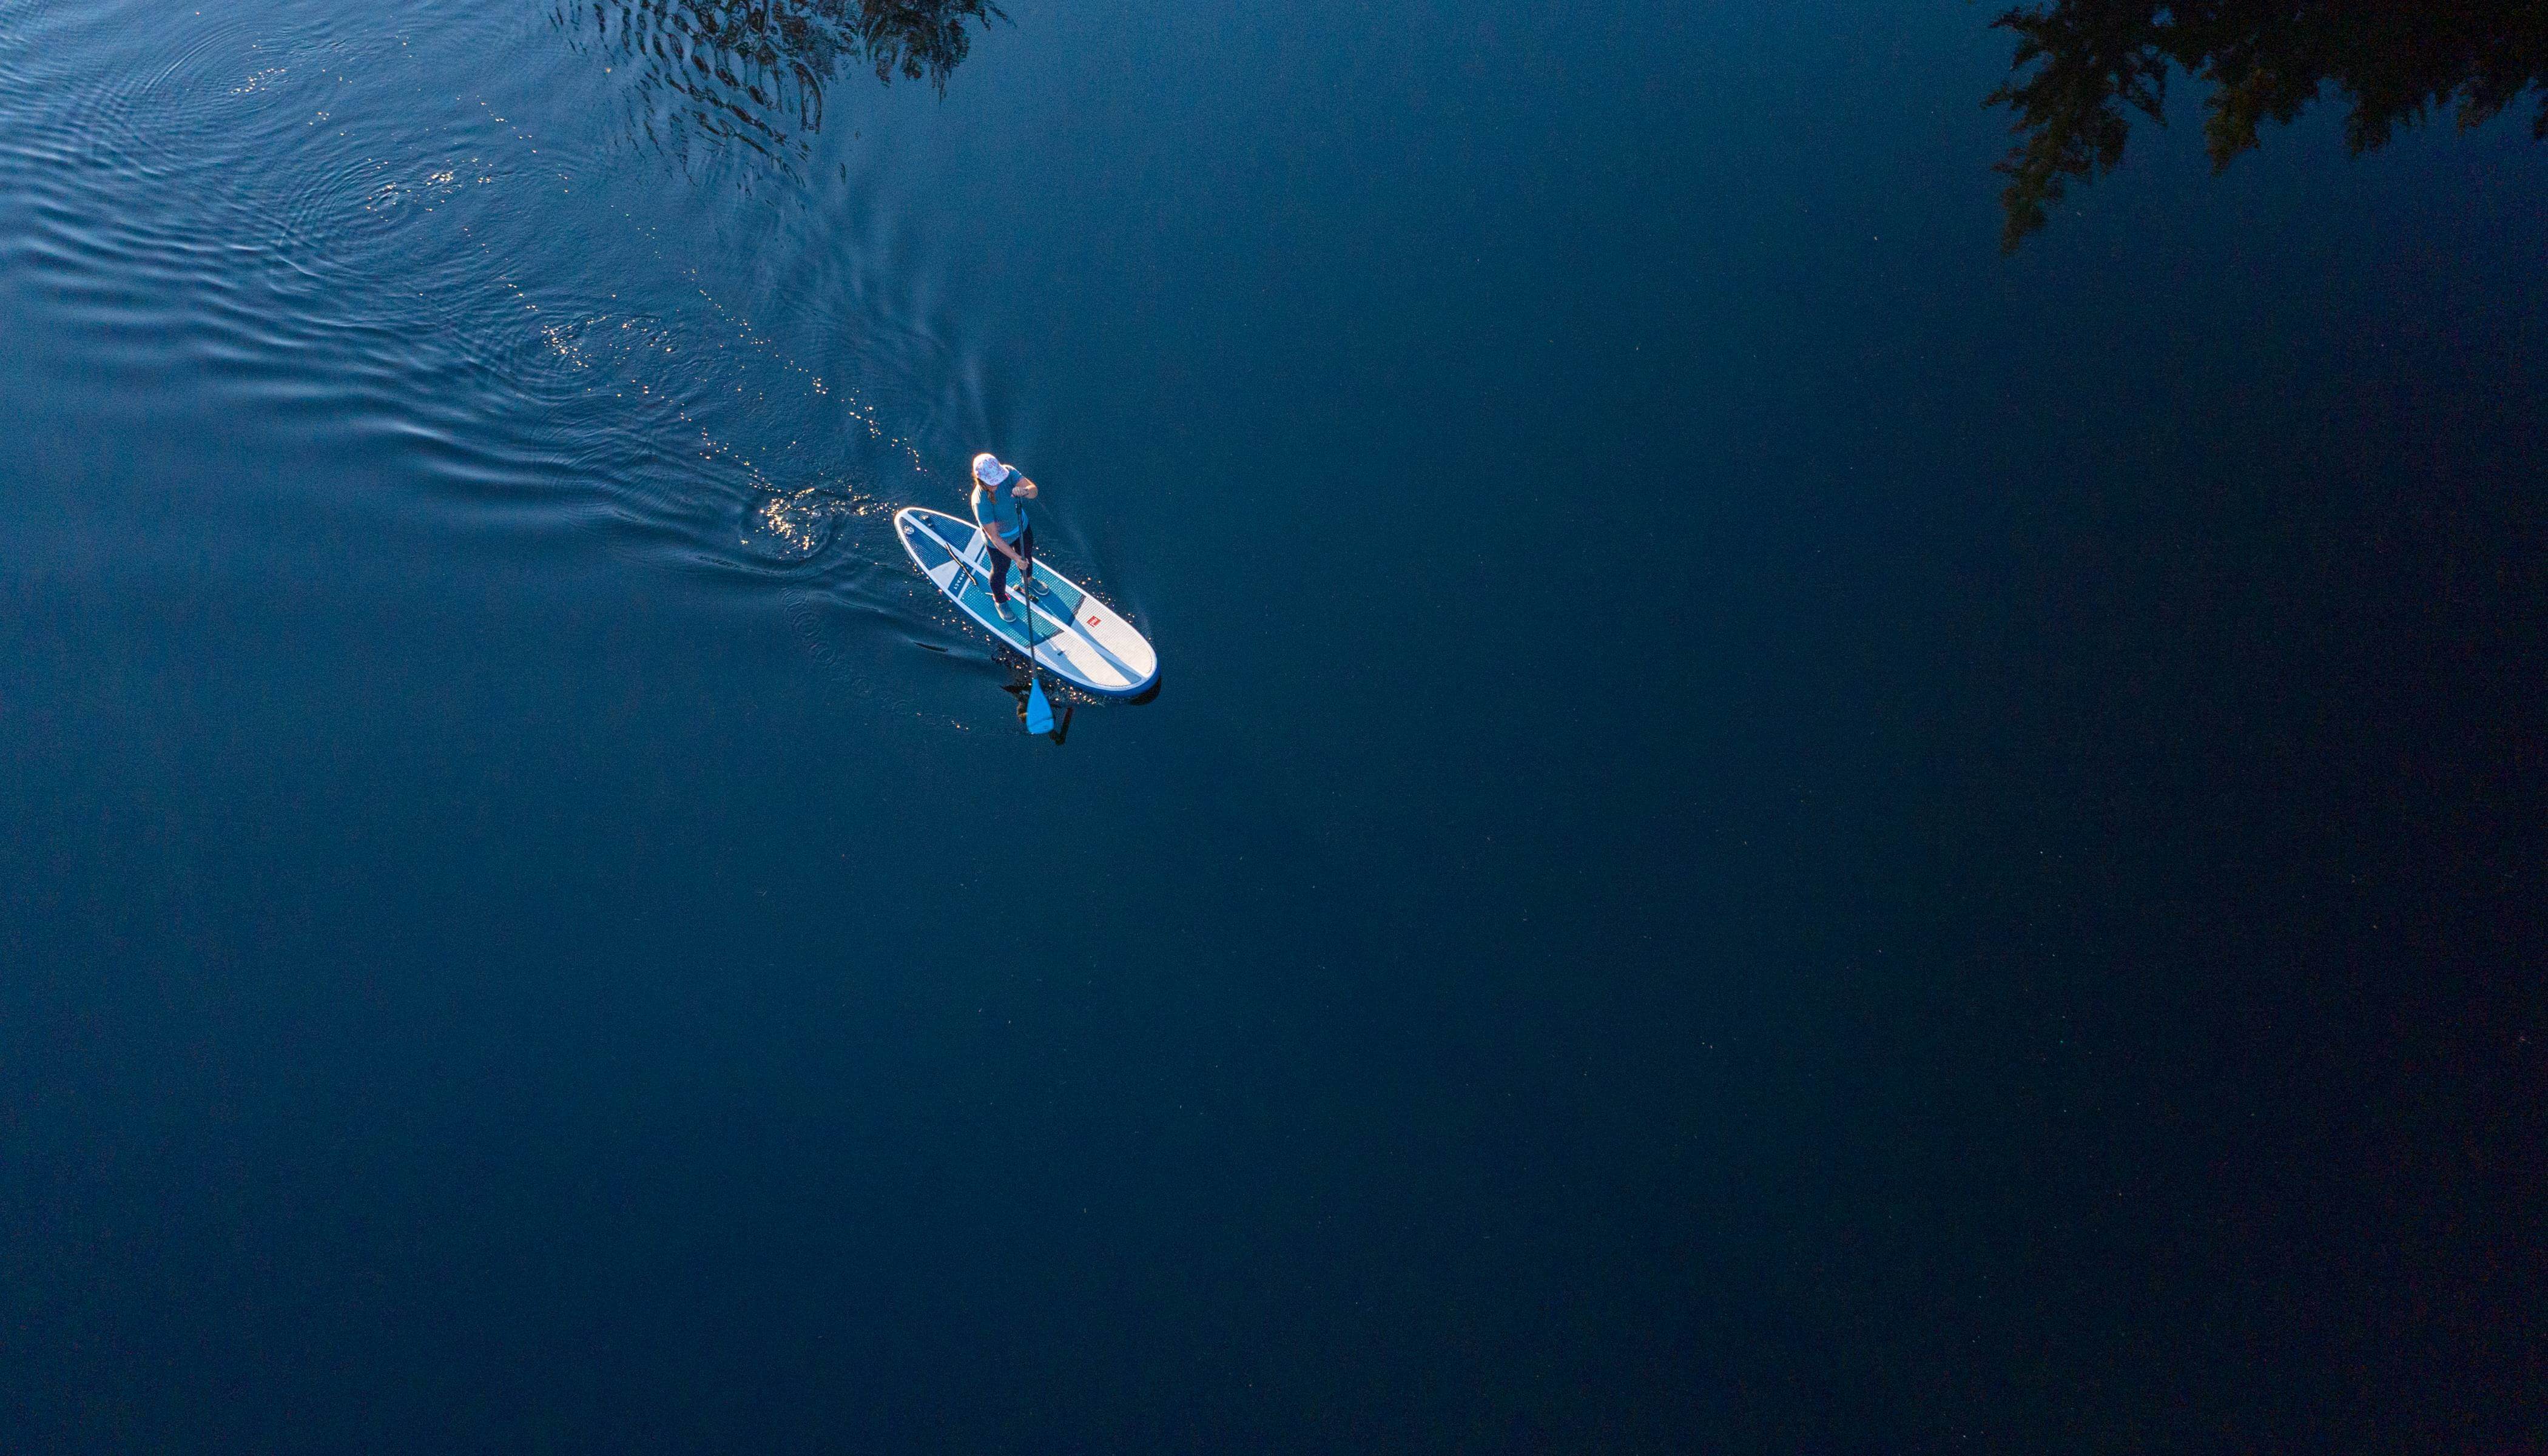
303 217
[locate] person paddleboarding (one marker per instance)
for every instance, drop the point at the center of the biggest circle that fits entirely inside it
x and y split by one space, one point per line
999 494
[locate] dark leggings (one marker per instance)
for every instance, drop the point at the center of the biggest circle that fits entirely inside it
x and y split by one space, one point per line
1000 562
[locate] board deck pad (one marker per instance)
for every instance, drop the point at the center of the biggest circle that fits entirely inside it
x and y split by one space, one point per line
1079 638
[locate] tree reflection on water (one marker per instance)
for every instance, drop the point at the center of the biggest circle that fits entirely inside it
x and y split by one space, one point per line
2080 63
755 73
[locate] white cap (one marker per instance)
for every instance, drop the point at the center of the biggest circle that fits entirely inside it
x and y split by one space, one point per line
987 468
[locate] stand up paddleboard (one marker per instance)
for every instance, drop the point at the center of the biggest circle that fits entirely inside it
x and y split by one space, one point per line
1077 638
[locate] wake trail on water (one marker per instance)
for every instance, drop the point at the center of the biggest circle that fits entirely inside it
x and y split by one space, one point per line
291 214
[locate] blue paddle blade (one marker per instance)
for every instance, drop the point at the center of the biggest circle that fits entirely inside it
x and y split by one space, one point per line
1038 711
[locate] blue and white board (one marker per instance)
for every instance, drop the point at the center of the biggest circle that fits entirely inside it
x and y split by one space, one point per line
1079 638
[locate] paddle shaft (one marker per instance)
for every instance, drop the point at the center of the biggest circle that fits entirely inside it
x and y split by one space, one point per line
1026 603
1026 584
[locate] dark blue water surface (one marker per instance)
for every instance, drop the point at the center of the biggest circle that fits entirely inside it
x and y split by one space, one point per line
1764 830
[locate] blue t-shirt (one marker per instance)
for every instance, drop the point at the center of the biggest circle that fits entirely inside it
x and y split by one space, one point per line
1003 516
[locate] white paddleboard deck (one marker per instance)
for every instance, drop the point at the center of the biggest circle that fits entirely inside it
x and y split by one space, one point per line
1079 638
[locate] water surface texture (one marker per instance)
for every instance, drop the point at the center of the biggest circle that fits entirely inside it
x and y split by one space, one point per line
1764 830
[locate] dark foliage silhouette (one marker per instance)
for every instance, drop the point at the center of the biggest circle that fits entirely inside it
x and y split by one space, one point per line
2080 63
754 72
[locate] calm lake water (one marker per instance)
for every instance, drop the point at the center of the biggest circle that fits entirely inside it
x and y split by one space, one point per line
1765 830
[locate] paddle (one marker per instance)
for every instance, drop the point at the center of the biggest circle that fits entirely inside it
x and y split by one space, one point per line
1038 711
